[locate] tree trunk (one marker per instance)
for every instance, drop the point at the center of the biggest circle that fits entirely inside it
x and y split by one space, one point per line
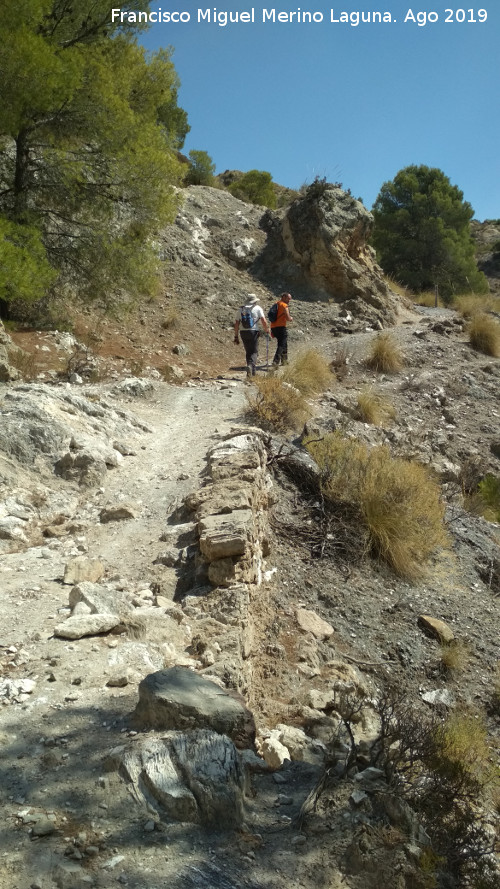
21 177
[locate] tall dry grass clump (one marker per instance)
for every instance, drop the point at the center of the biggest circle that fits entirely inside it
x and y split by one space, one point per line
472 303
428 298
484 334
385 355
372 408
309 372
275 405
399 501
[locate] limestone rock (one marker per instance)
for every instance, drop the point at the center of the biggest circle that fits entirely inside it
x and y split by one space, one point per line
310 622
99 599
119 513
436 628
134 387
178 698
273 752
225 535
86 625
83 467
192 776
318 247
82 569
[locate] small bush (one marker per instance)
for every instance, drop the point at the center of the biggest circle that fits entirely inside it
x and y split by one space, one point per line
309 372
399 501
276 406
396 287
484 334
443 769
385 355
339 365
171 318
489 491
24 362
374 409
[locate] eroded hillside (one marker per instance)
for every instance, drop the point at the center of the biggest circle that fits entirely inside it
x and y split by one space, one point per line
147 530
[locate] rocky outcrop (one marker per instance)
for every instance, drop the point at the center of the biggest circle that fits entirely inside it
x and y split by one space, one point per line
58 429
8 373
318 248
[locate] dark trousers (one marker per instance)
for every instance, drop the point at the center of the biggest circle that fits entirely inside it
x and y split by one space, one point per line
280 334
250 340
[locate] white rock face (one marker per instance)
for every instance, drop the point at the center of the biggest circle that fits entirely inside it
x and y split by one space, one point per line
188 776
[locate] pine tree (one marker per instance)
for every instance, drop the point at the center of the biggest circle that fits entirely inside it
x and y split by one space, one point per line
89 127
422 233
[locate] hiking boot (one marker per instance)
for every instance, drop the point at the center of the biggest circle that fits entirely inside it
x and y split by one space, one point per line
249 372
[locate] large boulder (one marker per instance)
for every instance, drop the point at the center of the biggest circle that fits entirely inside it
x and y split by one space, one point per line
178 698
318 248
186 776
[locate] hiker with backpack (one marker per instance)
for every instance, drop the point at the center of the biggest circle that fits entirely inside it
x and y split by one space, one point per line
279 315
246 326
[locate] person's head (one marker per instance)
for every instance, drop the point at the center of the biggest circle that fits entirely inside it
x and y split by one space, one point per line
252 299
286 297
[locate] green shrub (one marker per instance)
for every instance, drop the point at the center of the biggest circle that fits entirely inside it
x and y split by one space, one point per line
489 491
399 501
255 187
385 355
484 334
443 768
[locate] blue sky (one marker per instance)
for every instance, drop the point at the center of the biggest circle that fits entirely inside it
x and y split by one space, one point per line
353 104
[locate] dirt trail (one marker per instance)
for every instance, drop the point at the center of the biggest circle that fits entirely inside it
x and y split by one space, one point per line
184 423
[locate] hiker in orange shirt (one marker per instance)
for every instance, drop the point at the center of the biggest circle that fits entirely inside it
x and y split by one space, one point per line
279 331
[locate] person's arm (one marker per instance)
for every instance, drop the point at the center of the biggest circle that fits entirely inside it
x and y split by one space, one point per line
264 324
287 314
236 329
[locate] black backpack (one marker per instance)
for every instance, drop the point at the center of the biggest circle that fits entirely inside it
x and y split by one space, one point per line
273 313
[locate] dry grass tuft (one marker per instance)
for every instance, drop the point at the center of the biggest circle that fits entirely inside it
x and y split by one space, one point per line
171 318
276 406
473 303
339 365
24 362
385 355
399 501
309 372
427 298
454 657
484 334
373 408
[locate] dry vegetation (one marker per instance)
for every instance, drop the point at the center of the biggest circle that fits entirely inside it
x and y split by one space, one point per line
279 403
309 372
428 298
276 406
484 334
385 355
454 657
471 304
373 408
399 501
